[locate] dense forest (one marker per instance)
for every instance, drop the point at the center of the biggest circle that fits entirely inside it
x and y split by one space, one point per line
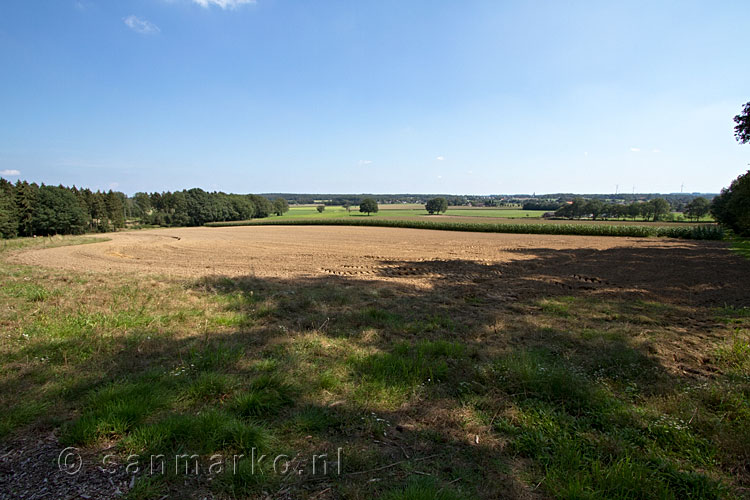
28 209
33 210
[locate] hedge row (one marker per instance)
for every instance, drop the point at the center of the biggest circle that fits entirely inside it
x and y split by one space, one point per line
702 232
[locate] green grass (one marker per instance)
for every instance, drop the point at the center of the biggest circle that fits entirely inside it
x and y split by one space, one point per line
423 488
590 444
418 212
210 387
428 395
741 246
264 398
495 212
339 212
46 242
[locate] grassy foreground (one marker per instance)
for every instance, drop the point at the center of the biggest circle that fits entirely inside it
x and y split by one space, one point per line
428 393
698 232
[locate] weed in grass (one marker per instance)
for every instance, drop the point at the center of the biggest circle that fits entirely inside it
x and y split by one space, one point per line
209 386
207 432
147 488
557 307
28 291
617 361
264 398
741 246
432 323
535 374
113 411
329 380
733 315
423 488
589 444
379 318
314 419
267 365
410 365
21 414
390 377
736 355
214 357
246 479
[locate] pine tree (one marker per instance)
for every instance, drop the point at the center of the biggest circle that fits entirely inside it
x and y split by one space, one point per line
115 209
25 197
8 213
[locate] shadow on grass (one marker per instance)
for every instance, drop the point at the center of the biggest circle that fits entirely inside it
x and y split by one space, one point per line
550 375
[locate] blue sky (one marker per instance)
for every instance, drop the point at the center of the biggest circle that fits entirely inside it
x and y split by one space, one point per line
379 96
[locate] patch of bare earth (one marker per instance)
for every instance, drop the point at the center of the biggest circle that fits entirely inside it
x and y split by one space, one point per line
503 276
510 263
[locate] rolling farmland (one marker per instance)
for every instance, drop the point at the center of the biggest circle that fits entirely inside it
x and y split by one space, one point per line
496 365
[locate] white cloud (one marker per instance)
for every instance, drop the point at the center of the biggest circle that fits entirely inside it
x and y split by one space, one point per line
10 172
440 158
586 154
635 150
656 151
364 162
224 4
439 176
141 25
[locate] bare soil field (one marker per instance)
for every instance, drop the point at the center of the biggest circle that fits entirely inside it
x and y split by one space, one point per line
449 365
511 265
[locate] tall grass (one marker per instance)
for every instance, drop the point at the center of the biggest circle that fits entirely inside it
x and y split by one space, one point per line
703 232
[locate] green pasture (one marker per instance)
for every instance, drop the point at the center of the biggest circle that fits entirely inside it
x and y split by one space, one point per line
336 212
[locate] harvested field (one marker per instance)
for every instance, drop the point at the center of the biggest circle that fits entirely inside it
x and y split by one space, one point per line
479 365
527 265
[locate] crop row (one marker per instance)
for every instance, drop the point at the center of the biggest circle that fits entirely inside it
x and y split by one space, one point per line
701 232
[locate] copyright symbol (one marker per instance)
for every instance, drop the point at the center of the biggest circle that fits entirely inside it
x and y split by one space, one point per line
69 461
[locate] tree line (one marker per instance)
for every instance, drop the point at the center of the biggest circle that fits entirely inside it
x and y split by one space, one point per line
195 207
29 209
655 209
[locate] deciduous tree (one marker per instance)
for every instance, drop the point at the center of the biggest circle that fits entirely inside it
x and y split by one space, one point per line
742 130
658 208
436 205
697 208
732 207
368 206
280 206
